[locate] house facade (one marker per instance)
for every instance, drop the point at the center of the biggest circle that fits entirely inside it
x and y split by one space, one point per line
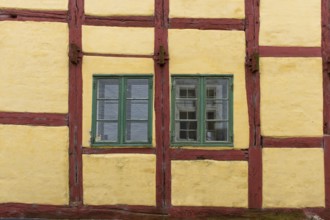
114 108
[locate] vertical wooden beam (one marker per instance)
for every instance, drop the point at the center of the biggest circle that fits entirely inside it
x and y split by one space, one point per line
76 13
163 178
326 95
253 97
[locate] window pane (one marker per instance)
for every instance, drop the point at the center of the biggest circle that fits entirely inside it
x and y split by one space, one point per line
108 88
107 110
137 88
217 88
137 109
137 131
216 131
217 109
106 131
186 88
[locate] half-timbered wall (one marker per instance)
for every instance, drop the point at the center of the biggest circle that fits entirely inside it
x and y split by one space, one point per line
277 52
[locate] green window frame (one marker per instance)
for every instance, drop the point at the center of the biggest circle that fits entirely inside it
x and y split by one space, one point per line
202 110
122 110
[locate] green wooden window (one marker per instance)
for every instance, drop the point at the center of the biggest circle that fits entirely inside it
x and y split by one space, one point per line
202 110
122 110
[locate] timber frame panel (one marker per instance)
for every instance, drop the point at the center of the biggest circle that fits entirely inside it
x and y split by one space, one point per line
75 17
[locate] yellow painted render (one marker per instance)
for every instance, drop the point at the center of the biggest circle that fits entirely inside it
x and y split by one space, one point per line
35 4
290 23
210 183
214 52
118 40
34 165
293 178
127 179
109 65
119 7
207 8
291 97
34 66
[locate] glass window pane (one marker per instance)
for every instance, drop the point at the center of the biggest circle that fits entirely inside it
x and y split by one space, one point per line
137 88
137 131
185 109
217 110
107 110
108 88
216 131
106 131
137 109
186 88
217 88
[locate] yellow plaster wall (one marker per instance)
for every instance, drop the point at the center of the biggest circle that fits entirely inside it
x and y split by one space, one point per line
293 178
119 179
35 4
214 52
106 65
210 183
34 165
207 8
118 40
290 23
291 97
33 66
119 7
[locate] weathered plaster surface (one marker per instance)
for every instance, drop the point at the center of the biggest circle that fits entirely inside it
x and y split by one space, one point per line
34 67
34 165
290 23
291 97
207 8
119 179
210 183
293 178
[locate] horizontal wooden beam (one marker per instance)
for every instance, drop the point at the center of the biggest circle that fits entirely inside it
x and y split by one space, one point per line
267 51
222 155
136 150
33 15
207 23
117 55
294 142
120 21
36 119
13 210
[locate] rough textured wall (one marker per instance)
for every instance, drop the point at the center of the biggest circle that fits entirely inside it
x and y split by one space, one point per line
293 178
290 23
119 179
34 165
192 53
122 7
35 4
207 8
34 67
291 97
209 183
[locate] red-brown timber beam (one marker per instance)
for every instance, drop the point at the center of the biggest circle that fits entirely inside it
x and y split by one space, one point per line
221 155
120 21
253 98
33 15
326 95
293 142
272 51
76 13
34 119
207 23
162 109
118 55
135 150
